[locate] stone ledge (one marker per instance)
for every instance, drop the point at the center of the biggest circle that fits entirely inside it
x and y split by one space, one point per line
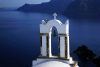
45 57
75 64
64 34
44 34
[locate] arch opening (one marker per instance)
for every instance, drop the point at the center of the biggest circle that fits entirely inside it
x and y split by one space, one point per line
53 42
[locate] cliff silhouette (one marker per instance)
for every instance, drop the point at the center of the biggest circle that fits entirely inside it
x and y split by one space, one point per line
83 9
58 6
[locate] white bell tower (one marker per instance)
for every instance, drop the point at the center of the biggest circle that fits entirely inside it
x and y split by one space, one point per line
63 38
63 33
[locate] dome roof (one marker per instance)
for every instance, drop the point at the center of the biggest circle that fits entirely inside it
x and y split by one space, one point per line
52 63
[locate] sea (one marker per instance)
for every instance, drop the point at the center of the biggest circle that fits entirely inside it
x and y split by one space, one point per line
20 39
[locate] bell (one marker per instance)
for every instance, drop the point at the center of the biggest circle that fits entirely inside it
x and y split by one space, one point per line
54 34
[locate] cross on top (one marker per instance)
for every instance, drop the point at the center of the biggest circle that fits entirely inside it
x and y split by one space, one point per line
54 15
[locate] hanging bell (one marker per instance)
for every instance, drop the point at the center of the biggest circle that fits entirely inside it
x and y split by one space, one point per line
54 34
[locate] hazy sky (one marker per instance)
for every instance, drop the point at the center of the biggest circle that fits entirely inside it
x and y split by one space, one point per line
18 3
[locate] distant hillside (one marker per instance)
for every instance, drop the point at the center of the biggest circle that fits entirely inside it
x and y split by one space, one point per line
83 9
58 6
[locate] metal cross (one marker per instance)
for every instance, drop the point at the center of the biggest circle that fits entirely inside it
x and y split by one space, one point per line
54 15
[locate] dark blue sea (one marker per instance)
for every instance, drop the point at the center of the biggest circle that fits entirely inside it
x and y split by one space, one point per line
20 39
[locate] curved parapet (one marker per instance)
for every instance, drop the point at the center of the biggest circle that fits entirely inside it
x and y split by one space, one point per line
61 28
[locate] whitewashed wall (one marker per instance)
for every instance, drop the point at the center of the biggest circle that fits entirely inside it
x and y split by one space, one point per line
61 28
50 44
44 46
62 46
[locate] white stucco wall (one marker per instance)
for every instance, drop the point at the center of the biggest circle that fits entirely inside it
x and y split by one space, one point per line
50 44
67 26
61 28
50 63
44 46
62 46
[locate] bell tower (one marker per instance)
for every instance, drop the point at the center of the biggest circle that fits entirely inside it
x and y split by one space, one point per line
45 43
45 38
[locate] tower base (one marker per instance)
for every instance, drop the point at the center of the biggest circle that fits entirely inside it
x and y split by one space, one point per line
43 61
